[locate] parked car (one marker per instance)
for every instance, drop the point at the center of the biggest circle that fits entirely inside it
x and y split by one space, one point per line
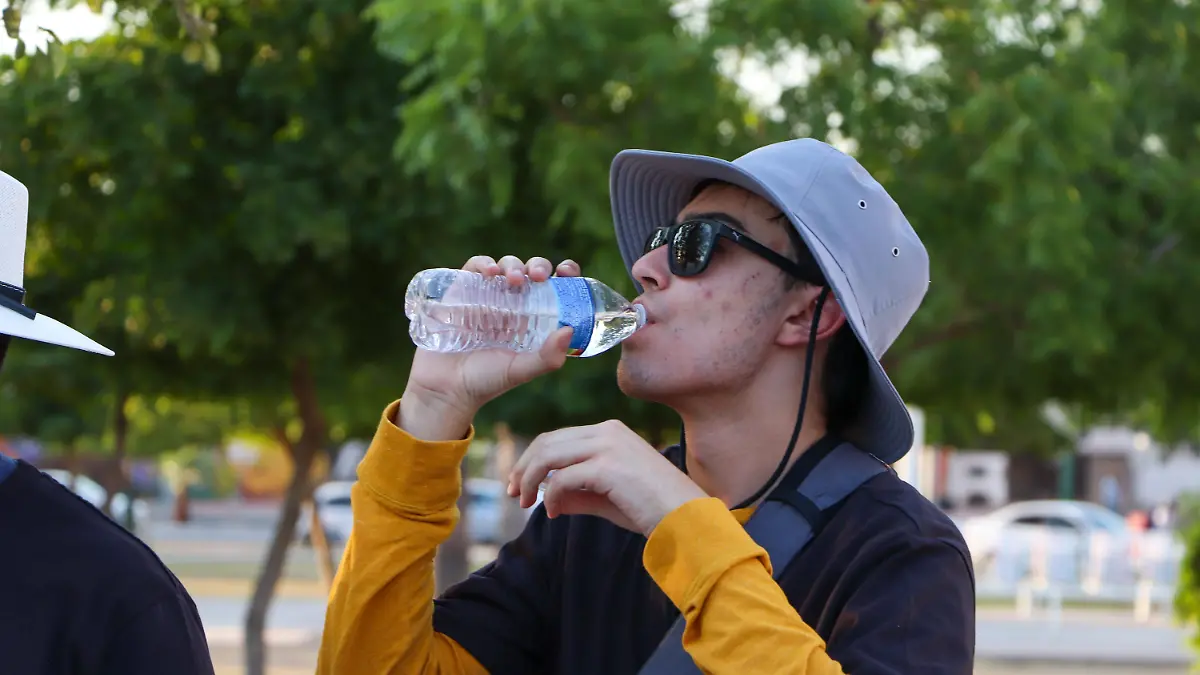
333 506
95 494
1068 539
485 501
483 520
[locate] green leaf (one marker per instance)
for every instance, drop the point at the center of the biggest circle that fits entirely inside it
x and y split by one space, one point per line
58 57
212 57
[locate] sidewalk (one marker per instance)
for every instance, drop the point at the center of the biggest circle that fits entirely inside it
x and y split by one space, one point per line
291 622
1081 637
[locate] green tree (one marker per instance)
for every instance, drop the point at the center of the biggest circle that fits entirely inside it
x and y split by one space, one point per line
1045 152
520 108
1187 595
247 196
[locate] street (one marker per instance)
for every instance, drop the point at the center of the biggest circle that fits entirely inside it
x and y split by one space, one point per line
1082 637
302 661
218 554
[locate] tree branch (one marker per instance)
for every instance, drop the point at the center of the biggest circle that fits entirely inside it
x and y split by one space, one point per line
951 331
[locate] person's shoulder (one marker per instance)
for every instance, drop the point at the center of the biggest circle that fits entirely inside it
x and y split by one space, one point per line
60 526
896 513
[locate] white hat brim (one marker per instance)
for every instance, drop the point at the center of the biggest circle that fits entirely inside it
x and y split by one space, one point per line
42 328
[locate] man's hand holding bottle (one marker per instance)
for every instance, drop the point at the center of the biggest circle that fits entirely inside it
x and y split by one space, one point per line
446 390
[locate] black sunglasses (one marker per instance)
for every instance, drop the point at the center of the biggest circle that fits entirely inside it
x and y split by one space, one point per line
693 241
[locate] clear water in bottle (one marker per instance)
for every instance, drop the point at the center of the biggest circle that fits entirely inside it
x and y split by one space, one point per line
458 311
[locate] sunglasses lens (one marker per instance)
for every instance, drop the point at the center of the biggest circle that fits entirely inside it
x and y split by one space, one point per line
657 238
691 248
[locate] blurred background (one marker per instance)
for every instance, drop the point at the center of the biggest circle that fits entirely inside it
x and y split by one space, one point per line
234 194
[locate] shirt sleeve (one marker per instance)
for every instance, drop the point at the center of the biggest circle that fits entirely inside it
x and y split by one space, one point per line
167 637
506 614
380 613
913 613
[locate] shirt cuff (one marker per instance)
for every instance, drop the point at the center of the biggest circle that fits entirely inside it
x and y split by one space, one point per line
686 566
410 473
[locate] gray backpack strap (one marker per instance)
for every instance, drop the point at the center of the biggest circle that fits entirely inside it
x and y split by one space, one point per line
783 525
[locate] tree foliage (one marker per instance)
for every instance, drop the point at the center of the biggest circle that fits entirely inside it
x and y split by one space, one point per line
231 221
519 108
1046 152
1187 594
234 195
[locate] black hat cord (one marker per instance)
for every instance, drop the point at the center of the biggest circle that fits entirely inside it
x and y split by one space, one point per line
809 353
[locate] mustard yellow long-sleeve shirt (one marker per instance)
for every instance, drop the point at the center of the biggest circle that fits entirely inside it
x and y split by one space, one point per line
380 617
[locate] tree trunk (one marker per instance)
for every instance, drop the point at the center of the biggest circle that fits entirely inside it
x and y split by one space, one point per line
181 511
452 563
320 544
303 452
72 465
120 482
508 449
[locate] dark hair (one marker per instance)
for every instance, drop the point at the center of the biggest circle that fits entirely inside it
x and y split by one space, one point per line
846 377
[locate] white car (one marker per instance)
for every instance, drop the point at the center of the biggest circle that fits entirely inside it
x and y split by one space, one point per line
95 494
483 521
485 501
1063 540
333 505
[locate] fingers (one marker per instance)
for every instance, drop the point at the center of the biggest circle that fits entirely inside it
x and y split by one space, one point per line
539 269
551 357
570 491
482 264
516 270
568 268
549 452
579 489
554 351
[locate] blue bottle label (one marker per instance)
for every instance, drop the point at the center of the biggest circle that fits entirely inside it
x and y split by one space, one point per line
575 309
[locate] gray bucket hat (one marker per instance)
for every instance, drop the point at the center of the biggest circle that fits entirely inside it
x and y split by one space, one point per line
875 264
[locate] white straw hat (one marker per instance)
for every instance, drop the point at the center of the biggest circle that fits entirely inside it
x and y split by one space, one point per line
16 319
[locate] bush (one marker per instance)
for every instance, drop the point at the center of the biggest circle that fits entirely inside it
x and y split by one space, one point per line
1187 596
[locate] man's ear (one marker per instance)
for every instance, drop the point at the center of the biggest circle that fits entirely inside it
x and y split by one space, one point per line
797 326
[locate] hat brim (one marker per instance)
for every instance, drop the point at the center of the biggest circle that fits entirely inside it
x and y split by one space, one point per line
41 328
649 188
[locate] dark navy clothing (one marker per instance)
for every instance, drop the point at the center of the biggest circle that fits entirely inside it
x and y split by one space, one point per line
82 596
887 583
7 466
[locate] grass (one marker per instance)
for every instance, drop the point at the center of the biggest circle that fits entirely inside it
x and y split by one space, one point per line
209 587
1009 603
239 569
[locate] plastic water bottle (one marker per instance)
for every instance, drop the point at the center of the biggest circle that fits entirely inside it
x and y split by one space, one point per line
458 311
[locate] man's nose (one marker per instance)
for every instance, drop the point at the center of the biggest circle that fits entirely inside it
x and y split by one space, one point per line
652 271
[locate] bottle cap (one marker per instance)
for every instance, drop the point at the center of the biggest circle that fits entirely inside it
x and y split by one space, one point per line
641 315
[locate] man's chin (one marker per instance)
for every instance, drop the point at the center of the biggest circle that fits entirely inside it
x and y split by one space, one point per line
636 382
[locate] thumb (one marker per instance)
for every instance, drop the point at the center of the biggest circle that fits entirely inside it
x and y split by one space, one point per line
551 357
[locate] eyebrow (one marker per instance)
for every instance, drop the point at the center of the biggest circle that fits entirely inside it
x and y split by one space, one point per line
733 222
717 215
